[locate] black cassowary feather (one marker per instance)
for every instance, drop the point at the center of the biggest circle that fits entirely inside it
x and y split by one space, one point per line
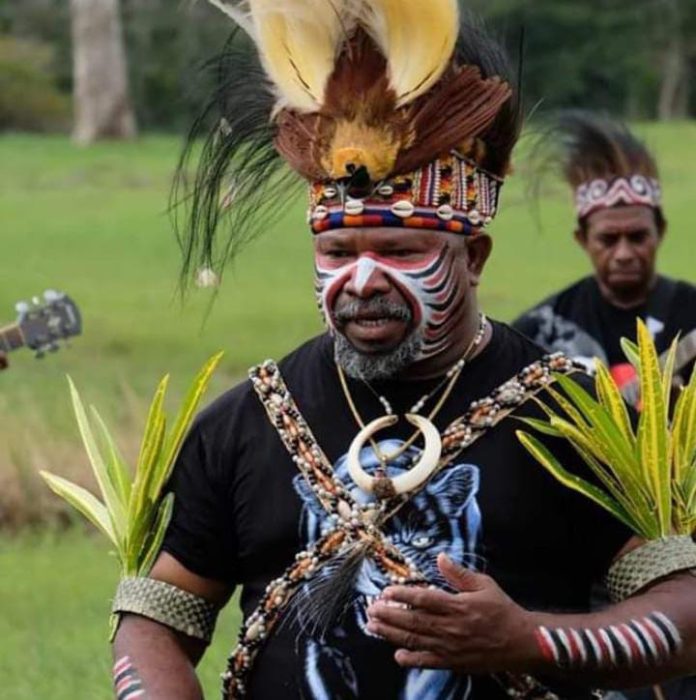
584 145
239 181
476 46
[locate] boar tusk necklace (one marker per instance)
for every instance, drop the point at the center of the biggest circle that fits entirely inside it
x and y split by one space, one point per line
381 485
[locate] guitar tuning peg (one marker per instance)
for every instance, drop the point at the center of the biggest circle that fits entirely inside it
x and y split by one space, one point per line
21 307
52 295
36 301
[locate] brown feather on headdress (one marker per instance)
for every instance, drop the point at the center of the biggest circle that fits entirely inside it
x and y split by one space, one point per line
356 91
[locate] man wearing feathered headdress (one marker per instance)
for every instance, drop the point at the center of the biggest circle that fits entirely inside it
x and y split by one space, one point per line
368 494
620 226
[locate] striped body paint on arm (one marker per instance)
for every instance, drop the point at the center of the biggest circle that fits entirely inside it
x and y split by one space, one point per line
127 683
648 641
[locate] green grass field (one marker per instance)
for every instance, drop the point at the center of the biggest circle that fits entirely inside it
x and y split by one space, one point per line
55 592
93 223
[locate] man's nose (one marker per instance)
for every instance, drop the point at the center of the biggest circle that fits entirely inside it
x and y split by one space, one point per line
624 253
367 280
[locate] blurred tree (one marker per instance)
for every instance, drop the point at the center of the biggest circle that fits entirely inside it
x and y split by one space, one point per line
676 23
635 58
102 102
168 46
29 98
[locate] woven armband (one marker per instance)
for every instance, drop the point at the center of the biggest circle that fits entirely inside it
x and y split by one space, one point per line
168 605
652 561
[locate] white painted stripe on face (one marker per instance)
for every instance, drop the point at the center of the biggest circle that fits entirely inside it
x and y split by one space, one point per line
363 271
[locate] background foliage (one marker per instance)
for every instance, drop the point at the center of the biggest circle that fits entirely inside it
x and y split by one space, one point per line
608 54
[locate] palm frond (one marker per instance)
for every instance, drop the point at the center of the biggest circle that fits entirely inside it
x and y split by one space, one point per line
133 514
646 476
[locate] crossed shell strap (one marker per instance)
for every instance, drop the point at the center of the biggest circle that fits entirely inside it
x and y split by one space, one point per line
355 523
488 412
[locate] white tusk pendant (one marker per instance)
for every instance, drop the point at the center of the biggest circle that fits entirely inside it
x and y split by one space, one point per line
412 479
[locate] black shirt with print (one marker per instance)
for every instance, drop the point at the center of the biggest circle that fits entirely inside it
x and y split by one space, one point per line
580 322
242 512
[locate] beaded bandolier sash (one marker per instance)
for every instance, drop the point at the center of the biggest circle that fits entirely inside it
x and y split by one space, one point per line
361 524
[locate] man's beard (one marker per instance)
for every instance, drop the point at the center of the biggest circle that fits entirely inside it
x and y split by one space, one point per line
375 366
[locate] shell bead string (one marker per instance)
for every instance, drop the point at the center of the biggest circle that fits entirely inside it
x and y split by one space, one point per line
353 522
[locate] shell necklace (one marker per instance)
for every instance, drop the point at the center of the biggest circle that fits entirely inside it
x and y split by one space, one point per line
381 485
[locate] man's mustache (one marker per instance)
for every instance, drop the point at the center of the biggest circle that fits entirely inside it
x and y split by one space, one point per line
376 308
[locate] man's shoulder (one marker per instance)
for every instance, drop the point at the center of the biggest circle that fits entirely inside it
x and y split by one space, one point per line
685 291
241 401
520 349
558 300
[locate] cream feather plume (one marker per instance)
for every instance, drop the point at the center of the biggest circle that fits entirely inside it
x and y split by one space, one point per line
298 42
417 37
238 10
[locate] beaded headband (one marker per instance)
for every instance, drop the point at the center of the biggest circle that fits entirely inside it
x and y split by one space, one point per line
450 194
604 194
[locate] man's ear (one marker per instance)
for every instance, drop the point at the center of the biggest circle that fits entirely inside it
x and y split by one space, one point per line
580 235
478 249
661 224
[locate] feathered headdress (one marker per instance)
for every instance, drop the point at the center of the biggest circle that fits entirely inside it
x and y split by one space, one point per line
394 111
604 163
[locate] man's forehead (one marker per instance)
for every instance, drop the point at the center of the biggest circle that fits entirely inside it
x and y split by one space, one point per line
383 237
621 219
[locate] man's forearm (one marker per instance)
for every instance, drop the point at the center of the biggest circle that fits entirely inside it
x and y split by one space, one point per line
644 640
153 662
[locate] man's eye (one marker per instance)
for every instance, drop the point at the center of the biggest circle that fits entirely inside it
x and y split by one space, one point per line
401 253
338 254
638 237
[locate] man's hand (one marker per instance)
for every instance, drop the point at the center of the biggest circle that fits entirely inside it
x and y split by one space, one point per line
478 630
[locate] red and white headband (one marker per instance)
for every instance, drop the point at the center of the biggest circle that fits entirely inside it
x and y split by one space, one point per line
604 194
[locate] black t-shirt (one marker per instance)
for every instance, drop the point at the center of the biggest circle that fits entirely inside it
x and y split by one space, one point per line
242 512
580 322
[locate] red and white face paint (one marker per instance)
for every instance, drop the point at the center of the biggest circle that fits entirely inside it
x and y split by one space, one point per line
429 287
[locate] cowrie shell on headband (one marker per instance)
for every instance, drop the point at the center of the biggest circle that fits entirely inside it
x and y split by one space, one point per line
330 192
403 209
354 207
445 212
386 190
320 213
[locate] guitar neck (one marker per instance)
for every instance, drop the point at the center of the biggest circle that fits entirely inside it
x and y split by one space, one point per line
11 338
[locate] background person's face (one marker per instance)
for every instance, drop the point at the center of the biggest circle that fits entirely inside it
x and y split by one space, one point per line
622 244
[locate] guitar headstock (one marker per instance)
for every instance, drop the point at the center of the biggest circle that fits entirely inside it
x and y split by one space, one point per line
44 322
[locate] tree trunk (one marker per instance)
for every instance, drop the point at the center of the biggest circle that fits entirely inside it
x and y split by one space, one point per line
671 102
102 104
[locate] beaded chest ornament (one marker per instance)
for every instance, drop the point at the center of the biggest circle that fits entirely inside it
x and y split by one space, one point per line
362 524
